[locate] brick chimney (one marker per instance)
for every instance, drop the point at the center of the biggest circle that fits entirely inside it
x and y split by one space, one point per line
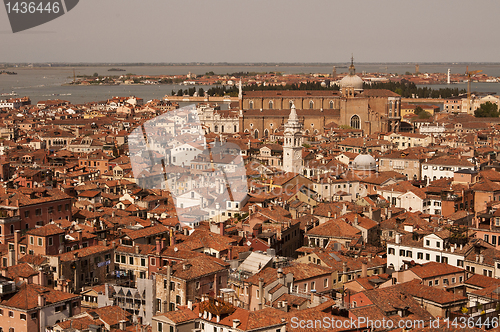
158 245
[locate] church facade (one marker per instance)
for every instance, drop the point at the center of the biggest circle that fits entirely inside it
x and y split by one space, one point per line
373 110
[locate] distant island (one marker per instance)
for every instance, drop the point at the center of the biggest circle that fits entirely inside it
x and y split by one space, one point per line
4 72
116 69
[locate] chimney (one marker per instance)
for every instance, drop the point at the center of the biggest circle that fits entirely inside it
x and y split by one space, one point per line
186 231
356 220
104 242
163 243
481 259
477 258
329 214
122 325
236 322
11 258
364 269
158 246
41 300
190 304
281 278
230 253
221 228
389 213
137 249
17 236
398 239
261 293
166 307
41 278
79 235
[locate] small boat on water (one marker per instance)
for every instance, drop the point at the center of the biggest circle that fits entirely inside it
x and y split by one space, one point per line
7 94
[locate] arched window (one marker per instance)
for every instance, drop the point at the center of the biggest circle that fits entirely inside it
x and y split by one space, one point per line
355 123
271 105
246 131
256 134
216 128
331 104
311 104
290 103
250 104
11 229
266 133
221 129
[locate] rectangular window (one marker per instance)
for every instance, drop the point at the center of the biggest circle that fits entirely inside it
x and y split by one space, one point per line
486 238
66 207
131 260
38 212
22 316
123 259
32 240
51 209
26 214
11 314
153 261
428 257
51 241
34 316
460 262
117 258
494 240
420 255
143 262
160 327
40 241
59 208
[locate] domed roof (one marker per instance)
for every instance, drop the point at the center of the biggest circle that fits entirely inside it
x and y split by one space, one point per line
353 81
364 162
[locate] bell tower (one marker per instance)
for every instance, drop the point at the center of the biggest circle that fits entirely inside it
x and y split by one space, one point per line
292 146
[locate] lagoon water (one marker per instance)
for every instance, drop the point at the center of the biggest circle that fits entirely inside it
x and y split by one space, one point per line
47 83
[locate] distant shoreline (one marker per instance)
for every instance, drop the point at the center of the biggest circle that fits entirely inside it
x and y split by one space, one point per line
225 64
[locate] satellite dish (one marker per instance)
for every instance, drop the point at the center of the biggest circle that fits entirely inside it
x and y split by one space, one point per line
249 243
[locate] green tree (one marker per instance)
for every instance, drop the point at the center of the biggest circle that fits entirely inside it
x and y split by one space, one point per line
180 93
487 110
418 110
201 92
96 75
424 115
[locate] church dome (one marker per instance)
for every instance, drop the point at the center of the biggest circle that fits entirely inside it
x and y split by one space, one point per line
364 162
352 80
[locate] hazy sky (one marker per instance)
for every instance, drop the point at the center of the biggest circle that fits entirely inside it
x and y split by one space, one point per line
261 31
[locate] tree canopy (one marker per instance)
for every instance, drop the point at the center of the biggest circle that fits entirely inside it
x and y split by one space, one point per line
487 110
